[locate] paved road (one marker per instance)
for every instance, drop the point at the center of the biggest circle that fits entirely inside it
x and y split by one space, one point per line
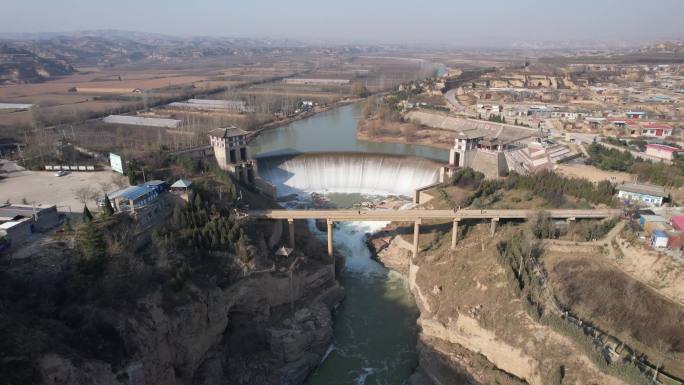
458 107
412 215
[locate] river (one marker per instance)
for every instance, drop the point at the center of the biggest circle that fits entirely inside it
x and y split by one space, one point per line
332 131
375 328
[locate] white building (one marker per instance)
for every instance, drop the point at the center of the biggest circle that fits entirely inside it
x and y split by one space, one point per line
649 195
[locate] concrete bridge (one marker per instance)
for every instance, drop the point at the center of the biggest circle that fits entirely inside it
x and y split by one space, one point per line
418 215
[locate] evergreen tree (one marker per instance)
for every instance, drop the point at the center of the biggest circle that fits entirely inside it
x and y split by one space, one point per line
91 241
108 208
87 216
93 249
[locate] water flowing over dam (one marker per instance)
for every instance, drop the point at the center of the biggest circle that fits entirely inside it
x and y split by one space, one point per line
373 174
375 327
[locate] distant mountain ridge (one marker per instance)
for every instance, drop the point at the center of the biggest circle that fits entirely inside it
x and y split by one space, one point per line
23 66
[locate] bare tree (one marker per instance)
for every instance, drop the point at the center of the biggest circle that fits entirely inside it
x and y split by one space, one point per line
83 194
119 180
105 186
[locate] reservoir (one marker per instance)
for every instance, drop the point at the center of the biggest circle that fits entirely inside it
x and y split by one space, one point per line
332 131
375 330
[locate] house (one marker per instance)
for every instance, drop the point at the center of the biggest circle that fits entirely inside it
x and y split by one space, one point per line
659 239
181 188
18 231
133 198
677 222
42 218
661 151
158 185
644 219
656 130
650 195
181 185
142 121
636 114
675 240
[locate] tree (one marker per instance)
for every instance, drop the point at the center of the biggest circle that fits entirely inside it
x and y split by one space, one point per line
93 249
83 194
108 209
87 216
119 180
359 90
105 186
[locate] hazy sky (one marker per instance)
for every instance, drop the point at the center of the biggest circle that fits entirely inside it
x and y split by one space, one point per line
440 21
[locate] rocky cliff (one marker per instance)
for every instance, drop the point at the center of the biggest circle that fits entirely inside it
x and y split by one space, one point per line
268 328
474 329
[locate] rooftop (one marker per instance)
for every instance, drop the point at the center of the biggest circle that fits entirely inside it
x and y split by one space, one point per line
227 132
657 125
13 211
131 193
646 189
182 183
663 147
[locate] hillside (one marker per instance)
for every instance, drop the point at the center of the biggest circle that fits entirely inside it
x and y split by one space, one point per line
23 66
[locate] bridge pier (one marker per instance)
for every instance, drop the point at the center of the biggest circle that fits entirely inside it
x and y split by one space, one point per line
330 237
416 234
454 234
290 230
492 228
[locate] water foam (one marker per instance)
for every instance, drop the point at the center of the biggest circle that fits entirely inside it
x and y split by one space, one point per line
372 174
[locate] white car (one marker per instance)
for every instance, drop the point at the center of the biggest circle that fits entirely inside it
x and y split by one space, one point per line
61 173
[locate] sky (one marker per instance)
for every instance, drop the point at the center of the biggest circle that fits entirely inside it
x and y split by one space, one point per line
464 22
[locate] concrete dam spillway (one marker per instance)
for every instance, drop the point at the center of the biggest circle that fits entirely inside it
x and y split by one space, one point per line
372 174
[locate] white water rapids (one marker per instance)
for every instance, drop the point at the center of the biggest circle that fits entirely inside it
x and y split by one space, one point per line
372 174
375 326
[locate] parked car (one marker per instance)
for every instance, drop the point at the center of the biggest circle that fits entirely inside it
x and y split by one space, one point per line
61 173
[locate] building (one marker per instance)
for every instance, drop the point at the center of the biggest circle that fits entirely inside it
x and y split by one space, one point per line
232 153
538 155
18 222
319 82
158 185
43 218
15 106
677 222
142 121
482 154
661 151
649 195
636 114
213 105
181 185
659 239
106 90
16 232
675 240
650 218
133 198
656 130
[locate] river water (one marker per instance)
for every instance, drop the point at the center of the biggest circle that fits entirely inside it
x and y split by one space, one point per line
375 326
332 131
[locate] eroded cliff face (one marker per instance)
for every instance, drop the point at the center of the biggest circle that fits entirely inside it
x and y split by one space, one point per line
474 329
268 328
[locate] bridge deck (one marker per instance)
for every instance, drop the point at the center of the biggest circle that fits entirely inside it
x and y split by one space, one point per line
412 215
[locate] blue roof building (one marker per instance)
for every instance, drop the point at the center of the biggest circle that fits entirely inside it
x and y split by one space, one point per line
133 197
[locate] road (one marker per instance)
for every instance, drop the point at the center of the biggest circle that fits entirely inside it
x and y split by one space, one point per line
412 215
457 106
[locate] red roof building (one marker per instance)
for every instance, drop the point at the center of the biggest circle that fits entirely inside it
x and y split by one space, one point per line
678 222
656 130
661 151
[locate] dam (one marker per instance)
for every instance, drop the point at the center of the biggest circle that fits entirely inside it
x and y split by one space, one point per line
347 173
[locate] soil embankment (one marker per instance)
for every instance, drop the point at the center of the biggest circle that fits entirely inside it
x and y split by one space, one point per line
474 327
